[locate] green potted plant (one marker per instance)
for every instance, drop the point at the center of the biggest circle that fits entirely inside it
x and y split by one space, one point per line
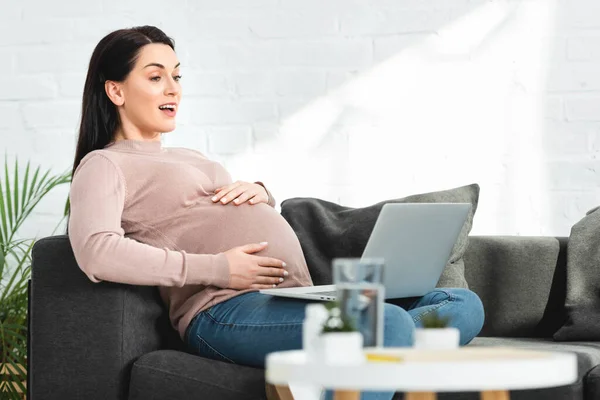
341 342
20 193
435 333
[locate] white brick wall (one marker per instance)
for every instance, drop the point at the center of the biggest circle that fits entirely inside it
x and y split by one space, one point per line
353 101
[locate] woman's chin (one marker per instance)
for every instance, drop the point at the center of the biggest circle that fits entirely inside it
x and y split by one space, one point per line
167 128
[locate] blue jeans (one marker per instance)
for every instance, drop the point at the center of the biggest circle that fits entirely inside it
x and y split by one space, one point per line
244 329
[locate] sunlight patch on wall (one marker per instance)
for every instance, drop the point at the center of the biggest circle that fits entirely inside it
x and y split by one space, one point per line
461 106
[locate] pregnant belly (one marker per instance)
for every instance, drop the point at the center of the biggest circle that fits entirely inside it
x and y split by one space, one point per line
210 228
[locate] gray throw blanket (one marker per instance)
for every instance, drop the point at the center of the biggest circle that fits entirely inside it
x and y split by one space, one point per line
328 230
582 303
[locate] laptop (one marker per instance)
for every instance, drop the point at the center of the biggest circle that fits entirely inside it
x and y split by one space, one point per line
414 239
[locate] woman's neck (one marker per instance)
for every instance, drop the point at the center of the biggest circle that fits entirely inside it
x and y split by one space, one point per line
120 134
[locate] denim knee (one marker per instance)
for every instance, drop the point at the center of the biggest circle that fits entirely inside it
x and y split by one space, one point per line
398 327
471 314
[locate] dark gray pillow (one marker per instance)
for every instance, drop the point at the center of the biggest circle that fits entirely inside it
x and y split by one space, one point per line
328 230
582 303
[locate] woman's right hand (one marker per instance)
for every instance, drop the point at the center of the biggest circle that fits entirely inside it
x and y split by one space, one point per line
253 272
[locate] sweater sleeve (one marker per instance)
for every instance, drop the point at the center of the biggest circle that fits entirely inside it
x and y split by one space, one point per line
271 200
97 197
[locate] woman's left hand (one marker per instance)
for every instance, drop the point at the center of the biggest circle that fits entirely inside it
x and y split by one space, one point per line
239 192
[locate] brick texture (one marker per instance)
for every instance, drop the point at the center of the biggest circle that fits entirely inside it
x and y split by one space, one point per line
348 100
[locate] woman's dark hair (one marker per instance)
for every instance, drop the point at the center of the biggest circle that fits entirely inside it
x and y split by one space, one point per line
112 59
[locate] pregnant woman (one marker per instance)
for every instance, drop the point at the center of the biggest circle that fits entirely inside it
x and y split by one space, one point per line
143 214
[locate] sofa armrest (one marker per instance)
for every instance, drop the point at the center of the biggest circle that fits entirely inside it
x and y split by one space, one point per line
521 281
85 336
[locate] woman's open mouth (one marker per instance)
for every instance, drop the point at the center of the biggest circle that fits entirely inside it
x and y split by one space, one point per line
170 109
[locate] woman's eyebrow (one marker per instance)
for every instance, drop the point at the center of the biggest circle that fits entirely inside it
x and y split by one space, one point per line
159 65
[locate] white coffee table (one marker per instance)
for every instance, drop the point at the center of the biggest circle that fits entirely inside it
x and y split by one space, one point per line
493 371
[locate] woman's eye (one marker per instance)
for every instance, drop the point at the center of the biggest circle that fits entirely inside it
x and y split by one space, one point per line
157 78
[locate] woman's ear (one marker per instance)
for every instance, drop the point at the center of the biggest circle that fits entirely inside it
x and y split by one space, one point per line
114 91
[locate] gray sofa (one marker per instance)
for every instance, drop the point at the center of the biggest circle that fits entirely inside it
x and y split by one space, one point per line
112 341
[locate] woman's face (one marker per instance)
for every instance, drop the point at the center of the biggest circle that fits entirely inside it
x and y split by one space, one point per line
148 99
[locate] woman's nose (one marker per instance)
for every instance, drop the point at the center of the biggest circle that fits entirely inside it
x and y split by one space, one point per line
172 88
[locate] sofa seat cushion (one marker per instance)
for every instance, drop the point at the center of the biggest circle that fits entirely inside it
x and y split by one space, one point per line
167 374
170 374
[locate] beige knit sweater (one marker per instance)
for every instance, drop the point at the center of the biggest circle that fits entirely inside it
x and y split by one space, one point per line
142 214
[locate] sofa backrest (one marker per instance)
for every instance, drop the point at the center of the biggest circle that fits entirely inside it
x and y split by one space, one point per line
521 282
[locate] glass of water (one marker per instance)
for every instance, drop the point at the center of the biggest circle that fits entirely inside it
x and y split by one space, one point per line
360 294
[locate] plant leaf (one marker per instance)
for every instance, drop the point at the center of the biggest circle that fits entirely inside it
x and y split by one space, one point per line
25 181
33 182
15 326
42 182
67 206
43 187
2 261
58 225
14 280
18 347
18 200
9 209
16 189
17 374
4 226
19 336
